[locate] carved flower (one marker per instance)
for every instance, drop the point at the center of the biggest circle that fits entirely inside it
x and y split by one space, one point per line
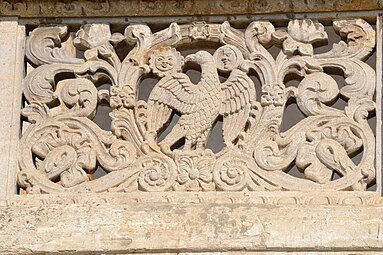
165 60
92 35
273 95
300 36
199 30
95 35
195 171
121 96
306 31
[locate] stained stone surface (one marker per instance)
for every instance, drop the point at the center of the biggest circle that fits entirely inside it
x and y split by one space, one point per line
75 228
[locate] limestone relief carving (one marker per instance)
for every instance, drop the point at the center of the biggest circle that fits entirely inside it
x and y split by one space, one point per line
113 8
62 146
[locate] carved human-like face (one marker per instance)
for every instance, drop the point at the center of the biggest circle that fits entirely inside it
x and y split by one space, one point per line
228 58
165 61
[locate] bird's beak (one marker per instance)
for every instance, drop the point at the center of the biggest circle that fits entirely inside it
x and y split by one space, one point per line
190 58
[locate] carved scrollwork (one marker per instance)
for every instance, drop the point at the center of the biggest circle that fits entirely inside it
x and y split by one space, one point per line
160 141
360 39
157 172
43 46
314 91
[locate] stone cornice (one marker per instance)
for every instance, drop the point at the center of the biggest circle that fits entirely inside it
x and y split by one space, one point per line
135 8
340 199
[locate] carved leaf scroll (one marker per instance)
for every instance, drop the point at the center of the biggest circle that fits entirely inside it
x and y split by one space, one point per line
62 147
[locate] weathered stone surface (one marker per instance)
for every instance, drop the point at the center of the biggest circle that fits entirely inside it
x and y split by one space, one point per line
116 8
180 227
63 146
11 73
112 214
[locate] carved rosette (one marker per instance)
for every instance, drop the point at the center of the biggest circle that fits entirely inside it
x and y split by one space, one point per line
231 172
62 146
195 170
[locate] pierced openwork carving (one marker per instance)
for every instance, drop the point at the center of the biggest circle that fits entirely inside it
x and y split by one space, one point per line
62 146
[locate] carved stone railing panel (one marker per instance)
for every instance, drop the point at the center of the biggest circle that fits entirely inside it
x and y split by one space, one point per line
62 146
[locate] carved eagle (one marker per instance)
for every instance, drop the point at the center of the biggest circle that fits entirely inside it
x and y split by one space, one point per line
200 104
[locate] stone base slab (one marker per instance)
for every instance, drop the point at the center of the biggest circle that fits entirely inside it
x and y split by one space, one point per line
175 227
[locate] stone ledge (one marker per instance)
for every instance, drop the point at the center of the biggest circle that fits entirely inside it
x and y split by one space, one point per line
83 229
118 8
362 198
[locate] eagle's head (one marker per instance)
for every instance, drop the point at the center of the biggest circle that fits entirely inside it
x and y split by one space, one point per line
201 57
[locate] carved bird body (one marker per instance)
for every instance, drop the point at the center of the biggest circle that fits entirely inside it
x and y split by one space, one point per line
200 104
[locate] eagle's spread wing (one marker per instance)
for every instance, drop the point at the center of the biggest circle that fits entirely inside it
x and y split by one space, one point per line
175 91
238 93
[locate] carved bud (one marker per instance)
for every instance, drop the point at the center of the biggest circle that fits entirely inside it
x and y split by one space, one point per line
300 36
306 31
92 35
